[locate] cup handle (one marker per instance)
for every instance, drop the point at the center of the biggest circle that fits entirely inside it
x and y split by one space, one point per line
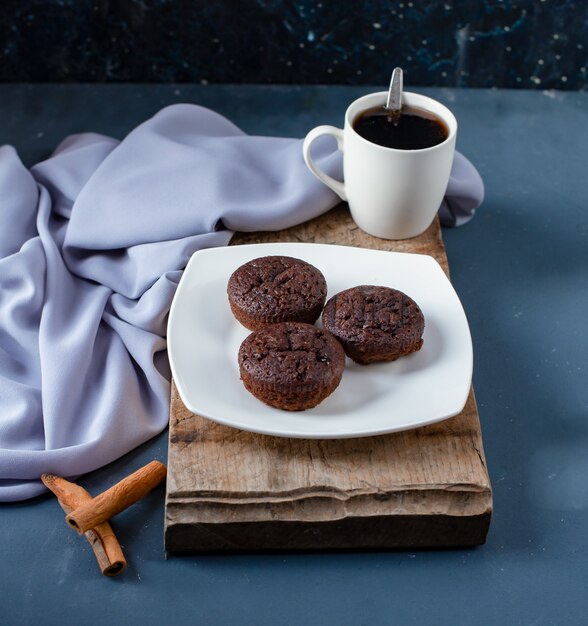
337 186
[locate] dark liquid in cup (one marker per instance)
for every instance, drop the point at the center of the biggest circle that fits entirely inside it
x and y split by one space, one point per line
411 129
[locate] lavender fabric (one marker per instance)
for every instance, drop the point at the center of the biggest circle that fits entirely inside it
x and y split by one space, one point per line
93 242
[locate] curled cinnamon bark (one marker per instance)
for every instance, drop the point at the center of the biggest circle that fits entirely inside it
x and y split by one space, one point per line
116 499
101 537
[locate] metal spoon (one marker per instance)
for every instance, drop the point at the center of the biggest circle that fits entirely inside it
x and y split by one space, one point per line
394 101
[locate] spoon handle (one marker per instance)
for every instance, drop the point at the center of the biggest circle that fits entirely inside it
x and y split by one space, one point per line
394 101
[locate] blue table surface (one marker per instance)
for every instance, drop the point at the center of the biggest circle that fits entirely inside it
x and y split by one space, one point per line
521 270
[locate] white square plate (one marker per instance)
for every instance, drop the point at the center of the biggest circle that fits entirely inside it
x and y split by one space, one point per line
422 388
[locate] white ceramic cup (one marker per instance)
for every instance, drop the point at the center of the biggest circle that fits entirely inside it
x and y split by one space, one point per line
392 194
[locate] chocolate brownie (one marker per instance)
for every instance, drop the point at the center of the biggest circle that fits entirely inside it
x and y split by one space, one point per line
291 365
375 323
276 289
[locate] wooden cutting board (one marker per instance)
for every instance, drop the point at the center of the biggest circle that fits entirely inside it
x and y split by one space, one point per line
230 490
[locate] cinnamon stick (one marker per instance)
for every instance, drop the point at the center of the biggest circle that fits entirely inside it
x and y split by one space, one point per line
116 499
104 543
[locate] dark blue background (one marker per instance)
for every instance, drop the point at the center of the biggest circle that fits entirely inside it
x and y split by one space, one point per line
536 44
519 268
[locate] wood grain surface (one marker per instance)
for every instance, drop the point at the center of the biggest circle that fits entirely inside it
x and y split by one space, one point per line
230 490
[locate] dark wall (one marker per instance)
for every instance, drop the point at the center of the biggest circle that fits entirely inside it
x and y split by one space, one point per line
476 43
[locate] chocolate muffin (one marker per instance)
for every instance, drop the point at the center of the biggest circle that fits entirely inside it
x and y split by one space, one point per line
375 323
291 365
274 289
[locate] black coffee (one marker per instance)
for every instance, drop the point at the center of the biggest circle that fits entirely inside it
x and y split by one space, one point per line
411 129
